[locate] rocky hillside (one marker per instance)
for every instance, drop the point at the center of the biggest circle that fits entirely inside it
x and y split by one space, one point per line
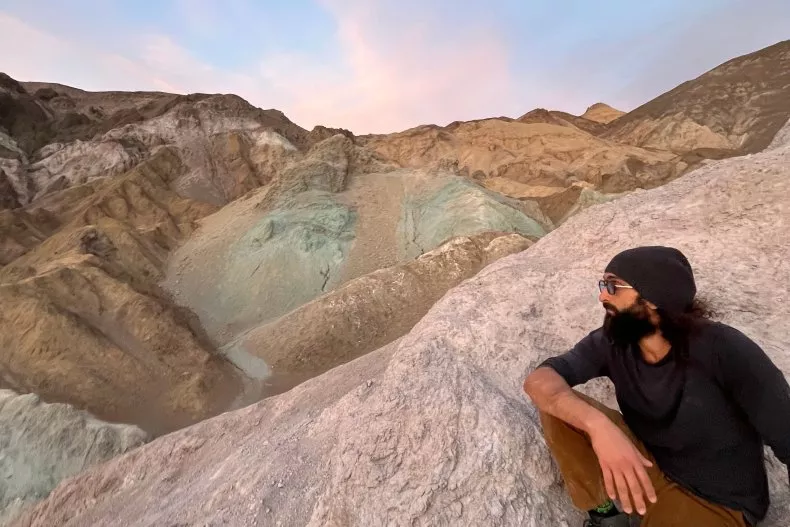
736 108
602 113
45 443
435 429
166 258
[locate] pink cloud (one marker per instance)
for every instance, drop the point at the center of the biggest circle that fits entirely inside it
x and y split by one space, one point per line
403 75
41 56
389 76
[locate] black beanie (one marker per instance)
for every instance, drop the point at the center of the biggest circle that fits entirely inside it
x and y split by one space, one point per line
661 275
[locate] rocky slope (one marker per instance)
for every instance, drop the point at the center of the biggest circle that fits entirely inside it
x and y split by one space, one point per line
333 214
735 108
364 314
435 430
57 137
535 153
98 209
42 444
84 322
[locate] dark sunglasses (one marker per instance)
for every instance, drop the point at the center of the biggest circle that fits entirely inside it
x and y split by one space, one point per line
611 287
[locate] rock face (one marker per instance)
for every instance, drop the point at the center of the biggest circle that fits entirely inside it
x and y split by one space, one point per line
366 313
435 430
332 215
8 195
83 320
735 108
43 444
530 153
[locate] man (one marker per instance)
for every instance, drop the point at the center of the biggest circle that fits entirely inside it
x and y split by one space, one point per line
698 400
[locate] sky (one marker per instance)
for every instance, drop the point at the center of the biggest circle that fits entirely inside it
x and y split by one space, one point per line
377 66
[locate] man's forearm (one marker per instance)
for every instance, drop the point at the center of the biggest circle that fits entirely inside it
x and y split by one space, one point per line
551 394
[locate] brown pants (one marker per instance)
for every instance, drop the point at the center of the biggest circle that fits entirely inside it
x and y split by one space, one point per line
578 463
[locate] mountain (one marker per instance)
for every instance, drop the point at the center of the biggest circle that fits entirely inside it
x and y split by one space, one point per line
168 259
736 108
601 113
435 429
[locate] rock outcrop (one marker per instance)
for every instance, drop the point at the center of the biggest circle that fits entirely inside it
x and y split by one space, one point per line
602 113
8 196
364 314
83 319
43 444
436 430
334 214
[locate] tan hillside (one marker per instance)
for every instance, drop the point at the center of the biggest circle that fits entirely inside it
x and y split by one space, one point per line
541 115
602 113
84 322
533 153
735 108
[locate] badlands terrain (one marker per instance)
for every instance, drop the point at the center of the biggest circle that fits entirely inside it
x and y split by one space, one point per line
214 316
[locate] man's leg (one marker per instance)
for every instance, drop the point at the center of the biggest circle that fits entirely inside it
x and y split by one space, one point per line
581 472
676 507
578 463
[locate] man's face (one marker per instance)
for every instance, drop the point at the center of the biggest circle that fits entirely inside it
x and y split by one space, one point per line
628 318
624 295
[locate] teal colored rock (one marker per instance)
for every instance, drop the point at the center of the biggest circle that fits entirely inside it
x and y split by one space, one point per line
41 444
457 207
287 258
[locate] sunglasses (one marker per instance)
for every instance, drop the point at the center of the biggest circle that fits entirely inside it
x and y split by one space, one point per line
611 287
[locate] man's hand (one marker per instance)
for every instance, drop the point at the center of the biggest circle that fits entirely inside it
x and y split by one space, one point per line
623 466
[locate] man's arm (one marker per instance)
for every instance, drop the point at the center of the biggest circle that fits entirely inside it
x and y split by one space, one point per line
549 387
756 385
551 394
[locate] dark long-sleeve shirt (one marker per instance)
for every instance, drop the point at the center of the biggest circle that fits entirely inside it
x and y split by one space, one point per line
706 419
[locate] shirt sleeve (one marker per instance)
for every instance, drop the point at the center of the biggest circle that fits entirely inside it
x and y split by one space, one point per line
587 360
759 387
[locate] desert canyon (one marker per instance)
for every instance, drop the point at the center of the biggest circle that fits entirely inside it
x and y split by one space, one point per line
212 316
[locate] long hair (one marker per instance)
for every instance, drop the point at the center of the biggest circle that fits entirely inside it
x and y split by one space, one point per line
679 328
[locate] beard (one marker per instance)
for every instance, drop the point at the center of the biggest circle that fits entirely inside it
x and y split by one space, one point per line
628 326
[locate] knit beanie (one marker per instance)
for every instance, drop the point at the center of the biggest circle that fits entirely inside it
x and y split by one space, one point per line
661 275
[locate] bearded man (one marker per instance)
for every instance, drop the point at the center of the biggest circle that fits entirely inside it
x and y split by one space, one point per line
699 401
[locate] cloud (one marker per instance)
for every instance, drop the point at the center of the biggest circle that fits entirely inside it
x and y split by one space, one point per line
393 64
386 78
394 76
42 56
